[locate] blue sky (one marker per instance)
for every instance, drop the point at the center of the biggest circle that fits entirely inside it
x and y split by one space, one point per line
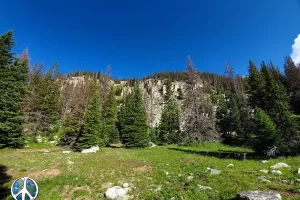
139 37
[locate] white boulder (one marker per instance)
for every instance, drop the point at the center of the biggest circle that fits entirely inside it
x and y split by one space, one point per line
115 193
93 149
279 165
276 172
258 195
215 171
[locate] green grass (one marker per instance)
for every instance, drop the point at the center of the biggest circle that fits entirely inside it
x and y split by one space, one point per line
92 174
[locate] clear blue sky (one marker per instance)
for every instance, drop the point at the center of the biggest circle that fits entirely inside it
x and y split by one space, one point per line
139 37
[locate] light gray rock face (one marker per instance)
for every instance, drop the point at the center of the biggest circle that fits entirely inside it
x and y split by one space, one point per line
258 195
279 165
93 149
115 193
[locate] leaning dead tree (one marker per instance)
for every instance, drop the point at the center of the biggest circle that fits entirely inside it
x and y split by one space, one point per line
198 115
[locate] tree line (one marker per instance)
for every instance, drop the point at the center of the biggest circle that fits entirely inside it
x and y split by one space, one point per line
260 110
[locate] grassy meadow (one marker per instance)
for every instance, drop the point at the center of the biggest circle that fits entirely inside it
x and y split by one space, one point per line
160 172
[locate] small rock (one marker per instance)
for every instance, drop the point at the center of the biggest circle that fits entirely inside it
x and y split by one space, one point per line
93 149
70 162
230 165
297 180
264 171
173 198
276 172
298 170
66 152
46 151
115 193
215 171
264 161
284 181
204 187
190 174
167 173
279 165
190 177
258 195
261 178
125 185
179 175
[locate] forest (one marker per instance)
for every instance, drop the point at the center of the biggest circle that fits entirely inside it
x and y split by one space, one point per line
260 110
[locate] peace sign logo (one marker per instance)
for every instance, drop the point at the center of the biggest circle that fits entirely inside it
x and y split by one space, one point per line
24 189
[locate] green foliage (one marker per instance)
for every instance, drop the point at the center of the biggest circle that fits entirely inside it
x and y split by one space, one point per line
134 124
118 90
91 134
71 128
13 77
266 136
256 84
42 100
109 116
169 126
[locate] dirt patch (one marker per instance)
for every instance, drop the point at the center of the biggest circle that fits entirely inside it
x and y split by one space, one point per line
47 173
144 168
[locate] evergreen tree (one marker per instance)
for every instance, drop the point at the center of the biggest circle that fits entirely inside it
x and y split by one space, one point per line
266 136
109 116
135 133
13 77
42 100
91 134
256 84
275 101
71 128
169 126
292 73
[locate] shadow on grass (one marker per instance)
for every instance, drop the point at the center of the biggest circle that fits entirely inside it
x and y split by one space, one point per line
224 154
4 178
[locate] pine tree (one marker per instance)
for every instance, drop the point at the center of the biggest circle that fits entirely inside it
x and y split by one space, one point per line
275 101
292 73
256 84
109 116
71 128
91 134
135 133
266 136
13 77
169 126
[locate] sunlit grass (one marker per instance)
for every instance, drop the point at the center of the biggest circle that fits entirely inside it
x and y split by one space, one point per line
92 174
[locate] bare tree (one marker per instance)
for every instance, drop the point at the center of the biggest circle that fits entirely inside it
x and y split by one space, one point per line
198 117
